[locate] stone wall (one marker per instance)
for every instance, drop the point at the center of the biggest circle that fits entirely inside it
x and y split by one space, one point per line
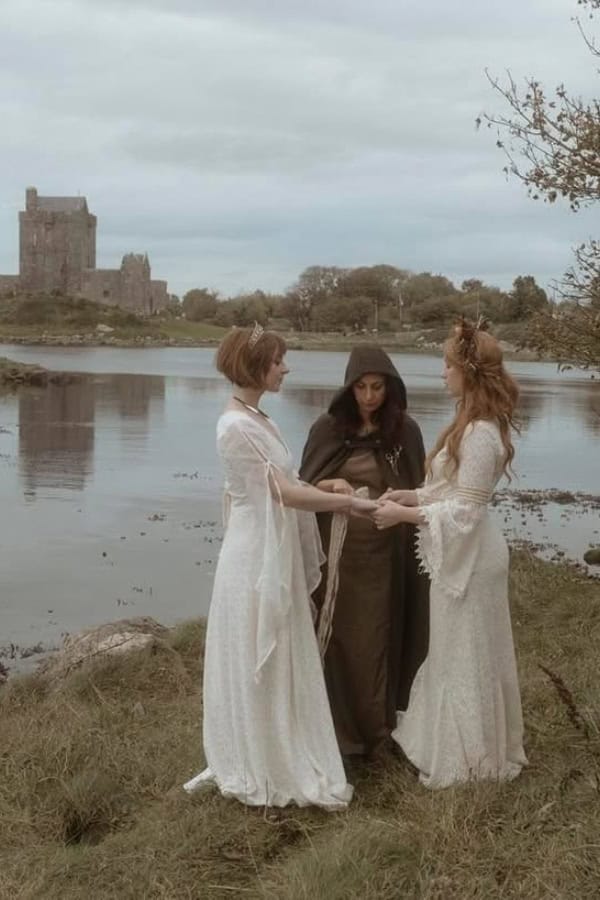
9 284
160 294
129 287
102 285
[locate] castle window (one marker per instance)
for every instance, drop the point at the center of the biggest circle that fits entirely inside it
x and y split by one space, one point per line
34 239
106 293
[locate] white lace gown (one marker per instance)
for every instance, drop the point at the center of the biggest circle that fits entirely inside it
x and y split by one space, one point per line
464 718
268 733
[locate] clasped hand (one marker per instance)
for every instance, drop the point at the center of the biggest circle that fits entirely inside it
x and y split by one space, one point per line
386 511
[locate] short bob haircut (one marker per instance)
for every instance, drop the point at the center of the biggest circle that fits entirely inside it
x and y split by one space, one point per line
247 366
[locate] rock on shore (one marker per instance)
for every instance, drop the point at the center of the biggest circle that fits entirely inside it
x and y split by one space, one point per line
101 641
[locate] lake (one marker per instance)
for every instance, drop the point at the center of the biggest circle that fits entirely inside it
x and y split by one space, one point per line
110 487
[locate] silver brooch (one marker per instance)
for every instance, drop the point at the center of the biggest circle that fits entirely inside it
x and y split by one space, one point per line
392 458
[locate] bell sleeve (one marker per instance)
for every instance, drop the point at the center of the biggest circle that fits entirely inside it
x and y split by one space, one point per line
252 463
448 541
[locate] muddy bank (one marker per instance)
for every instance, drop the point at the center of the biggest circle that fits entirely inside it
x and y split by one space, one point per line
538 499
553 524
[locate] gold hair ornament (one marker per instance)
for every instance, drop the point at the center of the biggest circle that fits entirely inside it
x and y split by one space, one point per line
257 333
465 332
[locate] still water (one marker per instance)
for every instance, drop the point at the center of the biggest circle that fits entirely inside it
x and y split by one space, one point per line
110 486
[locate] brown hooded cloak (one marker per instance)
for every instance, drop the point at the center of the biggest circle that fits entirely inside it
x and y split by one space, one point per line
380 631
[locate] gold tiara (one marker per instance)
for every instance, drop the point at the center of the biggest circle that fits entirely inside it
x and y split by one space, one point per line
465 333
256 335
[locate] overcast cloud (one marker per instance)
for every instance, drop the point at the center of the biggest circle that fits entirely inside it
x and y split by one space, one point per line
239 142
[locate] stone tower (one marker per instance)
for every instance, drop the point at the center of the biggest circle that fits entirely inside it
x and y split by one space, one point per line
136 290
57 243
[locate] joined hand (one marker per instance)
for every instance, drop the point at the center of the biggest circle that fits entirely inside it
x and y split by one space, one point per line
387 514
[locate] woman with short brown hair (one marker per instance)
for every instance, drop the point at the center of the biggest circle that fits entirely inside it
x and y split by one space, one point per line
268 734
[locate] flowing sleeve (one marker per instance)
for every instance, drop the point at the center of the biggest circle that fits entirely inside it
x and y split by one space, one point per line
251 458
449 539
431 490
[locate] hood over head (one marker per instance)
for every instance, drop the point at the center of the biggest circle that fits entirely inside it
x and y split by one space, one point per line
368 359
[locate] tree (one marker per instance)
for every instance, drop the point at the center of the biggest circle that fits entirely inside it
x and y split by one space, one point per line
479 299
226 313
340 313
200 304
172 307
315 286
377 286
526 298
425 286
567 333
437 311
428 298
250 308
552 144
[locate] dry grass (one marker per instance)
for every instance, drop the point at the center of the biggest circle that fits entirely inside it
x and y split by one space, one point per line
91 803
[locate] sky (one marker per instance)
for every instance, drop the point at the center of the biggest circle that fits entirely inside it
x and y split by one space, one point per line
239 141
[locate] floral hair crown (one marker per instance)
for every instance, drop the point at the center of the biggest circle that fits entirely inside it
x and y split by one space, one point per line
257 333
465 333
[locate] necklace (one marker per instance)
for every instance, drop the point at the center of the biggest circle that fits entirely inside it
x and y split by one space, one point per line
253 409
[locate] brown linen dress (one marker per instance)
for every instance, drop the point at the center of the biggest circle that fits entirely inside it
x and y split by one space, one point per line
380 626
357 658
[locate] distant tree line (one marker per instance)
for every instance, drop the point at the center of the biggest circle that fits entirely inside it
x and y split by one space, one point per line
374 298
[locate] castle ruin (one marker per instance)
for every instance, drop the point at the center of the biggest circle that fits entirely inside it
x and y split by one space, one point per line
57 252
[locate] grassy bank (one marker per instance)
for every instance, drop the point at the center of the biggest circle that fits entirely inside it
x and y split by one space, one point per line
91 803
14 374
65 321
154 332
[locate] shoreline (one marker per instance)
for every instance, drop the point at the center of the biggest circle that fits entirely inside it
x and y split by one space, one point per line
17 374
16 659
295 341
95 761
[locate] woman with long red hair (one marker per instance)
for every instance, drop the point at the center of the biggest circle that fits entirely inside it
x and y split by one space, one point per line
464 719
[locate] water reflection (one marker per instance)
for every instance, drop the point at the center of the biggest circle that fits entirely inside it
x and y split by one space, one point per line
531 407
132 396
145 421
58 425
591 407
56 436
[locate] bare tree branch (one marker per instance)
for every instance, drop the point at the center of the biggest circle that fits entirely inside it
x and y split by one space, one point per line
552 144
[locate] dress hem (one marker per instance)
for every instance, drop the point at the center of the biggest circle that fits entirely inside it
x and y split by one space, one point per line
207 779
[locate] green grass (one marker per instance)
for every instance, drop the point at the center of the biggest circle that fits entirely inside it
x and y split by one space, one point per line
91 803
48 319
195 331
40 319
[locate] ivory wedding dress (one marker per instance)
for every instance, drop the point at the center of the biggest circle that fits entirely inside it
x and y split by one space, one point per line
268 732
464 718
